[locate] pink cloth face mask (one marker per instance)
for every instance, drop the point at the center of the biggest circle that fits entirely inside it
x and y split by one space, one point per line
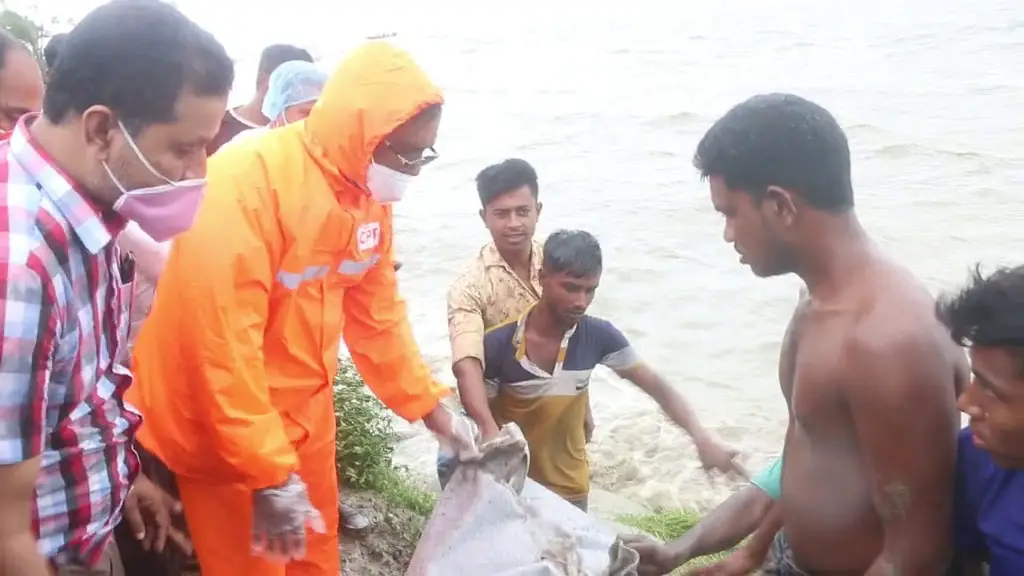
162 211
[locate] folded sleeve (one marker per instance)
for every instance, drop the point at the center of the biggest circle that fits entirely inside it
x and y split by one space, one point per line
231 248
465 319
379 338
616 352
770 479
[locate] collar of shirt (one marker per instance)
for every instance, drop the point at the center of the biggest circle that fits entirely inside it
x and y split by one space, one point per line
95 226
492 258
241 120
519 341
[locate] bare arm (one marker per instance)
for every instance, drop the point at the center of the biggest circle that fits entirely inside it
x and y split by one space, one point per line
910 460
724 527
18 553
761 542
466 331
747 559
469 374
712 454
672 402
617 354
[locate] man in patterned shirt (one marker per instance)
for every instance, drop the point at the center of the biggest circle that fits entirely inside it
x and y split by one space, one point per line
501 283
132 103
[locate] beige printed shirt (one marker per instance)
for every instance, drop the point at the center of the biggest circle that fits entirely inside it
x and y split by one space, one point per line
486 295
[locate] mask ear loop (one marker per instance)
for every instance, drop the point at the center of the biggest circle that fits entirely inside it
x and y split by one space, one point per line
141 156
124 193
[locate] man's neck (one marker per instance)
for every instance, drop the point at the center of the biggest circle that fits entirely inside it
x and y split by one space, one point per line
252 111
841 250
540 321
48 137
518 260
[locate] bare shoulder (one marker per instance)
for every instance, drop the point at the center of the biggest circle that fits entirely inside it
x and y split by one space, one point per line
897 343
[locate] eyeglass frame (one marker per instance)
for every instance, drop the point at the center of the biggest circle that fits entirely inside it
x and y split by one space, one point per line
418 162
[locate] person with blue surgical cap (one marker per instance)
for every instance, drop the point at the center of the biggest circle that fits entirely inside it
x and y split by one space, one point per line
293 89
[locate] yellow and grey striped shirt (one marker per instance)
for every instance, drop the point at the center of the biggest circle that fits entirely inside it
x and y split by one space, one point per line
550 408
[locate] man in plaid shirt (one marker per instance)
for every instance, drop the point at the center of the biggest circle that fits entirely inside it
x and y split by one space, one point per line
133 101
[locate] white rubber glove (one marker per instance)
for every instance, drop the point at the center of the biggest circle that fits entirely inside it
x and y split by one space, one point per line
456 434
280 517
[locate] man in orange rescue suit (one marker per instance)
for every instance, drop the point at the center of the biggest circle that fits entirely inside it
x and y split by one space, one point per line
290 252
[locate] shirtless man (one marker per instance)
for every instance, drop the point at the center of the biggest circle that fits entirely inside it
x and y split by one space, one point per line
868 372
250 115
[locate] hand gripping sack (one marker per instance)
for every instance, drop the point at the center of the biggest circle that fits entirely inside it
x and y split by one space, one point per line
492 520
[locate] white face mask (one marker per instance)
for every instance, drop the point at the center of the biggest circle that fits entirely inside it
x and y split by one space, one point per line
386 185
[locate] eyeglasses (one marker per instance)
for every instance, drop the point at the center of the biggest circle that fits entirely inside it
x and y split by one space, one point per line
427 156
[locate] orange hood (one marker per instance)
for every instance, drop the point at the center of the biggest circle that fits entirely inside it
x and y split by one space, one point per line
375 89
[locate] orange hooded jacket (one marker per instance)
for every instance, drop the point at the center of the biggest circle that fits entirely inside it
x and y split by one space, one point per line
235 364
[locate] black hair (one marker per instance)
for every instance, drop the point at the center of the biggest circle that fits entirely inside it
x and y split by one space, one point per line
7 43
277 54
135 57
54 46
780 140
988 311
575 252
504 177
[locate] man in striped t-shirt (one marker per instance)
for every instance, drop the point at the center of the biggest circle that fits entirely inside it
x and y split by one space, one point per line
538 371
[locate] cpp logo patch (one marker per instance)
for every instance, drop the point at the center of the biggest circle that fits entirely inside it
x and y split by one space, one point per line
368 236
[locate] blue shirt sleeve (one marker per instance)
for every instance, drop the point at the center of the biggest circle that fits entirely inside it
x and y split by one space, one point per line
615 351
967 538
770 479
495 344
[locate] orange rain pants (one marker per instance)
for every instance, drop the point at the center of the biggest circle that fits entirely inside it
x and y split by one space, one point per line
288 254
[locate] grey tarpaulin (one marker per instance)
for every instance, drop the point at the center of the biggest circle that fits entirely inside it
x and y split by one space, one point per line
492 520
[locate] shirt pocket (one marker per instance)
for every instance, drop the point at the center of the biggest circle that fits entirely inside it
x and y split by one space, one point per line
125 282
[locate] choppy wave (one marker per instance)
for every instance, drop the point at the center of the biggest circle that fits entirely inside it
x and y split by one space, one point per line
610 118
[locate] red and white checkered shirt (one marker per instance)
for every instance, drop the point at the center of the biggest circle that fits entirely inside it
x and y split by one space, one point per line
65 298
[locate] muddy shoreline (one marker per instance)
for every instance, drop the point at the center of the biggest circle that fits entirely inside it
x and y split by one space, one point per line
386 549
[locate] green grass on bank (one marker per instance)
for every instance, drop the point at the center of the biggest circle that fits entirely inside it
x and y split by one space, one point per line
366 444
664 525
